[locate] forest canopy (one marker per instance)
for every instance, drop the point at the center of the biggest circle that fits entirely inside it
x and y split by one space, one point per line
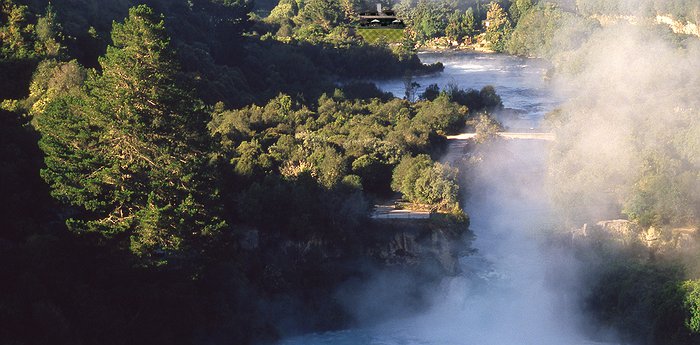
161 156
191 171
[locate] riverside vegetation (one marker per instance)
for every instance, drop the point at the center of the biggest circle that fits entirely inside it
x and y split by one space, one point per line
198 176
649 295
179 178
644 288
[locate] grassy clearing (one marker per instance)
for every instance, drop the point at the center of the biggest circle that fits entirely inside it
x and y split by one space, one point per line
375 35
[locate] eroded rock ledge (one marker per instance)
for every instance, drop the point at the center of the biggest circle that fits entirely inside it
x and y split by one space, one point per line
620 232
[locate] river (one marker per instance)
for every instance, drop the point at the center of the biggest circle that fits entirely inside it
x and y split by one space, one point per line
513 291
519 81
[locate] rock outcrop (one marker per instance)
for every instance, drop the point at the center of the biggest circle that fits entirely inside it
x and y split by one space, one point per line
418 242
679 27
623 233
684 27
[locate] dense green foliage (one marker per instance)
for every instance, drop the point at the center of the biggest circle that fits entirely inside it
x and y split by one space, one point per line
546 30
461 25
499 27
335 143
336 23
626 148
665 190
423 181
548 27
644 302
24 41
162 215
172 208
645 297
649 171
208 39
519 8
691 304
681 9
199 177
455 19
132 152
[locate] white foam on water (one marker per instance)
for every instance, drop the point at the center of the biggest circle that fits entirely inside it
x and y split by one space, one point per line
504 295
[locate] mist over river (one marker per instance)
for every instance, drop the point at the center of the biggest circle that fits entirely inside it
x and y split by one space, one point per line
513 290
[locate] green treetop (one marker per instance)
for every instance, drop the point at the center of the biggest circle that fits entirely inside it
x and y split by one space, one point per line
518 8
421 180
15 32
499 27
131 153
460 25
325 13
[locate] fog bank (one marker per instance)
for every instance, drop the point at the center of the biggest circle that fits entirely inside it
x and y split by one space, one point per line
632 114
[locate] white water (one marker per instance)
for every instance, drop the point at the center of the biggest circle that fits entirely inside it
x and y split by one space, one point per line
513 291
519 82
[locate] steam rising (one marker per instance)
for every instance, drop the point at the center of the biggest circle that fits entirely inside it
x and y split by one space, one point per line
630 91
514 291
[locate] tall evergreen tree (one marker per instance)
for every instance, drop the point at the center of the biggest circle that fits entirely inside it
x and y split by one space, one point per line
132 153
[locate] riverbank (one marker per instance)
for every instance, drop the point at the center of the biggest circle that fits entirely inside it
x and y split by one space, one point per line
444 44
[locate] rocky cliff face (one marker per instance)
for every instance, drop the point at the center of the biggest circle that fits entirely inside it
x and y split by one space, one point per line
295 284
679 27
684 27
417 242
658 240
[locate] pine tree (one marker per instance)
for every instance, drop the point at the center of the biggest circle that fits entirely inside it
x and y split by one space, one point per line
132 152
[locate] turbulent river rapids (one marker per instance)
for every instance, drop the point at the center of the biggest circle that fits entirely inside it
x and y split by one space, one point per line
512 290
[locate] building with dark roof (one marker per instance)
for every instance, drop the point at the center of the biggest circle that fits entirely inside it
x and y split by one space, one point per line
380 18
